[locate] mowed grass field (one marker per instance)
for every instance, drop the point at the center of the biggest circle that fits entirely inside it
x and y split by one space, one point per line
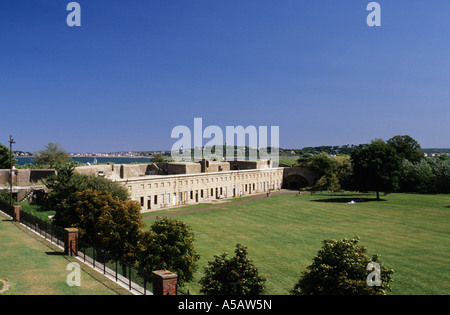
283 234
34 266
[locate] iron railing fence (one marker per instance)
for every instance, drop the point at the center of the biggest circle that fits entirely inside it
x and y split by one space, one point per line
7 208
43 228
126 274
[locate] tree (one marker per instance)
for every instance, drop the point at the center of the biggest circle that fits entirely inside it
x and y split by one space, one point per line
61 186
67 182
376 168
158 158
416 177
168 245
53 155
340 268
406 148
4 196
234 276
441 174
106 222
322 164
5 157
328 181
325 168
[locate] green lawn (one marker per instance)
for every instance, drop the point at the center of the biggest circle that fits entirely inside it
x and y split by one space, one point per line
33 266
284 232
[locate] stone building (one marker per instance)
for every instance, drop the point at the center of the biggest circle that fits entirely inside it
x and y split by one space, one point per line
166 185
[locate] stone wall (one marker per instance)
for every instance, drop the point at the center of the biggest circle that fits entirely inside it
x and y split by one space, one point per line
157 192
24 177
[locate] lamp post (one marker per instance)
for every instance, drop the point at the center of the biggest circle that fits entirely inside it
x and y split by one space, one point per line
11 141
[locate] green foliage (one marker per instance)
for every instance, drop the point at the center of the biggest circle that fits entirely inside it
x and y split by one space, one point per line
53 155
416 177
104 184
321 163
334 150
406 148
340 268
234 276
376 168
330 171
5 157
158 158
61 186
169 245
440 168
5 196
106 222
66 183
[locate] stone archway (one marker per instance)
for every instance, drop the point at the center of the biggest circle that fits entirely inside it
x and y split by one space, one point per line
295 182
297 178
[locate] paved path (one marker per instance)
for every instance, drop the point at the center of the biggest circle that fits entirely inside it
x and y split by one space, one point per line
225 204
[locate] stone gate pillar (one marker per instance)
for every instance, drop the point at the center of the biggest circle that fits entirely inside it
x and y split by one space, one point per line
164 282
16 216
71 242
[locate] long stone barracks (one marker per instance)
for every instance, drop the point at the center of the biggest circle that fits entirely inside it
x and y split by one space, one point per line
166 185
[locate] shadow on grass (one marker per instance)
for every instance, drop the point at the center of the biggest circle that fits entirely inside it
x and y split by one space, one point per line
348 200
55 253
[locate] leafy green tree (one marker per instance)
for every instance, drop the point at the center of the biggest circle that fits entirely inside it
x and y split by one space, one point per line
66 183
107 222
158 158
168 245
322 164
5 157
440 168
234 276
61 186
103 184
53 155
406 148
416 177
326 169
340 268
376 168
4 196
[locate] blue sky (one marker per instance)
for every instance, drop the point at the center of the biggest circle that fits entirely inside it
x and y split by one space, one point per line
136 69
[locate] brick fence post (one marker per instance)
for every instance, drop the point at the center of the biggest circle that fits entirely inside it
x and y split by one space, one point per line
16 216
164 282
71 242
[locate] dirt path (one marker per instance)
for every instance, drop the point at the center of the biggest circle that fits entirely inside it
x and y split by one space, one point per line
223 205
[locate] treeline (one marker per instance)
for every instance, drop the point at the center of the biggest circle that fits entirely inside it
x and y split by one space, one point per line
397 165
330 150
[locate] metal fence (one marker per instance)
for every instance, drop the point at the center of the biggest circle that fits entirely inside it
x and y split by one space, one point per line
127 275
43 228
7 208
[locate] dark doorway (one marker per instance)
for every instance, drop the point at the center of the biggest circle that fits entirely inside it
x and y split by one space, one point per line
295 182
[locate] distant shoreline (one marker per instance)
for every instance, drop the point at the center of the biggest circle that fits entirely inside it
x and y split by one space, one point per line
22 160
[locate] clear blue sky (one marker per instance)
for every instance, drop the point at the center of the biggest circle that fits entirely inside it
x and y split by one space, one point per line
136 69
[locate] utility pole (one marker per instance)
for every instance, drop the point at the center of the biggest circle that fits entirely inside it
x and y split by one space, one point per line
11 141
